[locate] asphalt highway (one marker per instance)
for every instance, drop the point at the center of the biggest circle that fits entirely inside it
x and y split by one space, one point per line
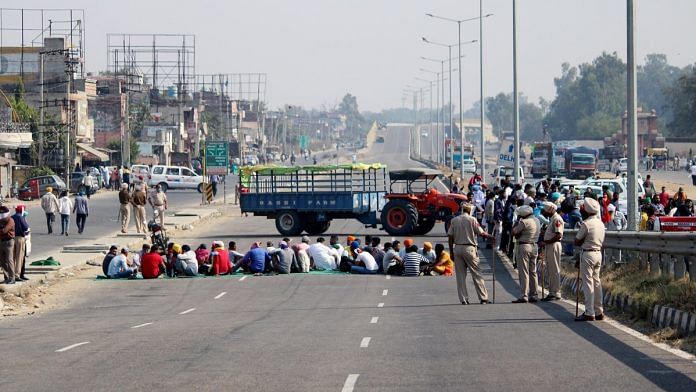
323 332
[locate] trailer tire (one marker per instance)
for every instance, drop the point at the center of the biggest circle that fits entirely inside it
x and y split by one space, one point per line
424 226
313 227
399 217
288 223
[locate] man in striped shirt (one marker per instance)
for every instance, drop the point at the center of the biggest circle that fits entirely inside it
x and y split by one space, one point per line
413 261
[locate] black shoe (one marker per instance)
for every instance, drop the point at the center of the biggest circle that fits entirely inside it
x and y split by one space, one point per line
533 300
520 301
24 278
10 281
584 317
465 302
550 298
485 302
599 317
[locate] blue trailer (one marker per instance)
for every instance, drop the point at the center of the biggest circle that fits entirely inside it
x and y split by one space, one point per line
307 198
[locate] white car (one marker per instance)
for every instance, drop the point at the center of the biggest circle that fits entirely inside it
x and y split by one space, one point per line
175 177
469 166
623 164
501 172
616 185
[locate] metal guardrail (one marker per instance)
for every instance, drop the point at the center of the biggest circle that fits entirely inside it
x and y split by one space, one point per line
666 253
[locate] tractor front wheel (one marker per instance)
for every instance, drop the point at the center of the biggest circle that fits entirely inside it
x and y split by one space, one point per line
399 217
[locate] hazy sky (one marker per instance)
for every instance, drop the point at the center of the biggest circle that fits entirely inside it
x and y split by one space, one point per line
315 51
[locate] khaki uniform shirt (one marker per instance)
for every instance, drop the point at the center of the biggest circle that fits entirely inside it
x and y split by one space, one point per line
124 197
464 230
158 199
592 230
554 227
529 229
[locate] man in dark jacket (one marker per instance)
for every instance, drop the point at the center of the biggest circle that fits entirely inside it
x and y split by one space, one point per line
81 210
7 234
21 232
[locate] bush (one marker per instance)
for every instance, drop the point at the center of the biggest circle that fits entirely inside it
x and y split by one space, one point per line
40 171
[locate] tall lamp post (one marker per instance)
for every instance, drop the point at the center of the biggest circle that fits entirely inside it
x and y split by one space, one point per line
515 95
442 92
459 40
449 48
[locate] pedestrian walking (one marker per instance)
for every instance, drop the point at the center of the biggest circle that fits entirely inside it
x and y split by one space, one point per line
462 233
21 234
590 238
49 203
81 210
692 171
526 231
124 212
139 199
237 192
7 234
158 202
214 179
88 182
552 250
115 180
65 207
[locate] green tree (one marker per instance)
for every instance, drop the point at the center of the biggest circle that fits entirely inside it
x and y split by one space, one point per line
348 107
655 77
682 97
134 149
499 111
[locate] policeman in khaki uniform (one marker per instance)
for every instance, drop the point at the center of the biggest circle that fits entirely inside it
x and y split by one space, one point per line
462 233
590 238
124 197
552 239
527 230
158 202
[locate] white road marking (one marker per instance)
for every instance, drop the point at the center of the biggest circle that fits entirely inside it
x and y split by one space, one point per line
365 342
220 295
385 292
70 347
140 325
242 278
380 305
374 320
388 277
350 383
188 311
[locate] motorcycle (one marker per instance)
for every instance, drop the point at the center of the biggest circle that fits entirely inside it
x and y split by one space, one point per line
158 235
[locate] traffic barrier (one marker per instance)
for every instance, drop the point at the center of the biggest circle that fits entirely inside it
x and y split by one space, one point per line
208 192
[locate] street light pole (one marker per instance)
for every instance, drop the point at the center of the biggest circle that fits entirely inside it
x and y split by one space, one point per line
515 102
631 116
461 112
483 103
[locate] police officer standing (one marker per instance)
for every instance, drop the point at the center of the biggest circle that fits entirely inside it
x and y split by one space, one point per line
139 199
526 230
158 202
462 232
124 197
552 239
590 238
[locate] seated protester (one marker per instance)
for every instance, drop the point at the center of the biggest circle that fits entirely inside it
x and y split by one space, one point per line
407 244
323 257
285 258
173 251
255 260
334 243
377 252
119 268
138 256
220 260
113 251
270 248
186 262
202 254
364 263
428 252
303 258
233 254
443 264
392 262
152 263
413 261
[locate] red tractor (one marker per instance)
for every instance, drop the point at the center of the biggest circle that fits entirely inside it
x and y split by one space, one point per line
416 206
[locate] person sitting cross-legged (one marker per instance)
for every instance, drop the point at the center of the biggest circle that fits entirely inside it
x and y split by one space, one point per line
220 259
119 268
364 263
285 258
255 260
443 263
152 263
186 263
413 261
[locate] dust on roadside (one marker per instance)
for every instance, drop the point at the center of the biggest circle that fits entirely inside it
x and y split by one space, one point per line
57 292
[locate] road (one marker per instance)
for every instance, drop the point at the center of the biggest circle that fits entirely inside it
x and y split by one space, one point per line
323 332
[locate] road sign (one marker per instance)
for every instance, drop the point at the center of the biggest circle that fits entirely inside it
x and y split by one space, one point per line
216 158
507 153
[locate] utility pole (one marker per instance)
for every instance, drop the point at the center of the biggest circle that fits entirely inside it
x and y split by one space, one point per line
451 116
632 116
41 111
515 94
461 113
483 101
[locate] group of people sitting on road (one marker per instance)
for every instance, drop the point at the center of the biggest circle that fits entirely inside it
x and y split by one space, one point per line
370 257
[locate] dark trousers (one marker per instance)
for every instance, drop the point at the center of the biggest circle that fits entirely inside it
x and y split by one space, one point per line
80 219
693 180
50 218
214 184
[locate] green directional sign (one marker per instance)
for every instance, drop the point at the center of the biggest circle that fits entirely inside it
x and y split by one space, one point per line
216 158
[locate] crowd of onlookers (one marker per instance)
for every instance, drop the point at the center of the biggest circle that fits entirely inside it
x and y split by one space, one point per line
285 257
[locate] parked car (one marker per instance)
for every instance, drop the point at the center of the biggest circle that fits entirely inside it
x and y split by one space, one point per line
175 177
469 166
77 180
33 188
617 185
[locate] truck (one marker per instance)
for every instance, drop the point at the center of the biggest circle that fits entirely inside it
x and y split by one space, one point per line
308 198
580 162
542 159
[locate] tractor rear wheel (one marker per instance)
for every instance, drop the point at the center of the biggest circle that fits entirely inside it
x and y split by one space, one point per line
313 227
424 226
399 217
288 223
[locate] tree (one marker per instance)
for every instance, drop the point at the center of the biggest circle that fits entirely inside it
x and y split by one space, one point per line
654 78
349 108
589 99
134 148
499 111
682 98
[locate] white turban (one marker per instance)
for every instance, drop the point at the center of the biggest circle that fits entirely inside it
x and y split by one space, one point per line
591 206
124 186
524 211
